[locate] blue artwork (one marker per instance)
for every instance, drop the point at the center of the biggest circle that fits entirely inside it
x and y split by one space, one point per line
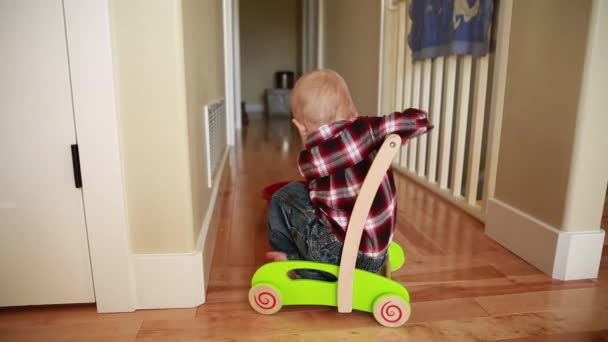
450 27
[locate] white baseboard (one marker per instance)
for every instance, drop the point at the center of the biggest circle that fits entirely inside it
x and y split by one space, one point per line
255 115
206 239
178 280
255 108
562 255
164 281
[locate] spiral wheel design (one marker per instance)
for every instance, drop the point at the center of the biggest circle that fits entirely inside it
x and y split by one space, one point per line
265 299
391 311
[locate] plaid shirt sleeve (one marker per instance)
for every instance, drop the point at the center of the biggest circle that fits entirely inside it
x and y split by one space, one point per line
408 124
356 141
348 148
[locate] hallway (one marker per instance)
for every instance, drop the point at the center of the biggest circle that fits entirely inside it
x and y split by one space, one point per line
464 286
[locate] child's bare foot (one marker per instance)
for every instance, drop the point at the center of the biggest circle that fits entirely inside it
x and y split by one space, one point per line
276 256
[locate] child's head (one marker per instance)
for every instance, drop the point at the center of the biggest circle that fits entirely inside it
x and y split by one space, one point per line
319 98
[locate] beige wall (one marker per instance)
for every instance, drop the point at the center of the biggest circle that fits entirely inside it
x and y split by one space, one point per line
270 41
204 60
352 45
544 75
162 80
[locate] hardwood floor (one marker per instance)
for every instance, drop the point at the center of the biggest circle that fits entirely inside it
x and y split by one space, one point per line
463 285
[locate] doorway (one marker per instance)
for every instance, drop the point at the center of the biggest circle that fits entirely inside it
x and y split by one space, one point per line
274 42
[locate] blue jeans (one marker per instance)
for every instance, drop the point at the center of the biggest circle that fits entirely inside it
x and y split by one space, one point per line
295 229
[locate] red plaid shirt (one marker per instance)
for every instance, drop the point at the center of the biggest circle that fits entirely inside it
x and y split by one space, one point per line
335 162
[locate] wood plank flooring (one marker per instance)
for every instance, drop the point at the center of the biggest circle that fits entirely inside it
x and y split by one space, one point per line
463 285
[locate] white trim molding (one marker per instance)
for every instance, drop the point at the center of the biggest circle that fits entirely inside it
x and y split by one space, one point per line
381 64
179 280
165 281
391 5
312 40
255 108
561 255
96 121
497 96
320 34
229 69
206 239
236 50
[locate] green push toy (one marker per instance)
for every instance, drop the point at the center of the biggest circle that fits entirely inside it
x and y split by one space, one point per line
389 301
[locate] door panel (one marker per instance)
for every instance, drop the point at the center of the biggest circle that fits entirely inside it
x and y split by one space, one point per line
44 256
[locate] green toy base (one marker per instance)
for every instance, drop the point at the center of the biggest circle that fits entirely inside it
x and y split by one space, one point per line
368 287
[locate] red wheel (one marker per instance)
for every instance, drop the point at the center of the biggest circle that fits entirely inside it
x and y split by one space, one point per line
391 311
265 299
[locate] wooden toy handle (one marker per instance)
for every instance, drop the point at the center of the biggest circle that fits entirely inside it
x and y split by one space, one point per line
361 209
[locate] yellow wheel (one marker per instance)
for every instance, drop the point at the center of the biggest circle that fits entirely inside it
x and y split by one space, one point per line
265 299
391 311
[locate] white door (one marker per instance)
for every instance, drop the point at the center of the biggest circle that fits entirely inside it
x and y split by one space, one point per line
44 254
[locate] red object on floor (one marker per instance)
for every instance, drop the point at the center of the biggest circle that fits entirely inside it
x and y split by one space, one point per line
267 192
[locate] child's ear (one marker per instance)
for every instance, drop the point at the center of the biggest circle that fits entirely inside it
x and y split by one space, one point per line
301 128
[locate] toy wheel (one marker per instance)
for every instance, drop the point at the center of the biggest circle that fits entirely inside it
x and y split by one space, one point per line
391 311
265 299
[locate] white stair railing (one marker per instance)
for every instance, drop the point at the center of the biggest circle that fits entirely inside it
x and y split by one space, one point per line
456 160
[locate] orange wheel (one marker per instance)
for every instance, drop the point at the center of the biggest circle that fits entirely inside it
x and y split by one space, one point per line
265 299
391 311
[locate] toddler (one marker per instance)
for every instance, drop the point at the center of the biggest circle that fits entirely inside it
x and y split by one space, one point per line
308 222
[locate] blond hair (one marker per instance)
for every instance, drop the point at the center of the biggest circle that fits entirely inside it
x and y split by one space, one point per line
321 97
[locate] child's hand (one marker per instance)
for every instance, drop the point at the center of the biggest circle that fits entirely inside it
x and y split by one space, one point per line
302 130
